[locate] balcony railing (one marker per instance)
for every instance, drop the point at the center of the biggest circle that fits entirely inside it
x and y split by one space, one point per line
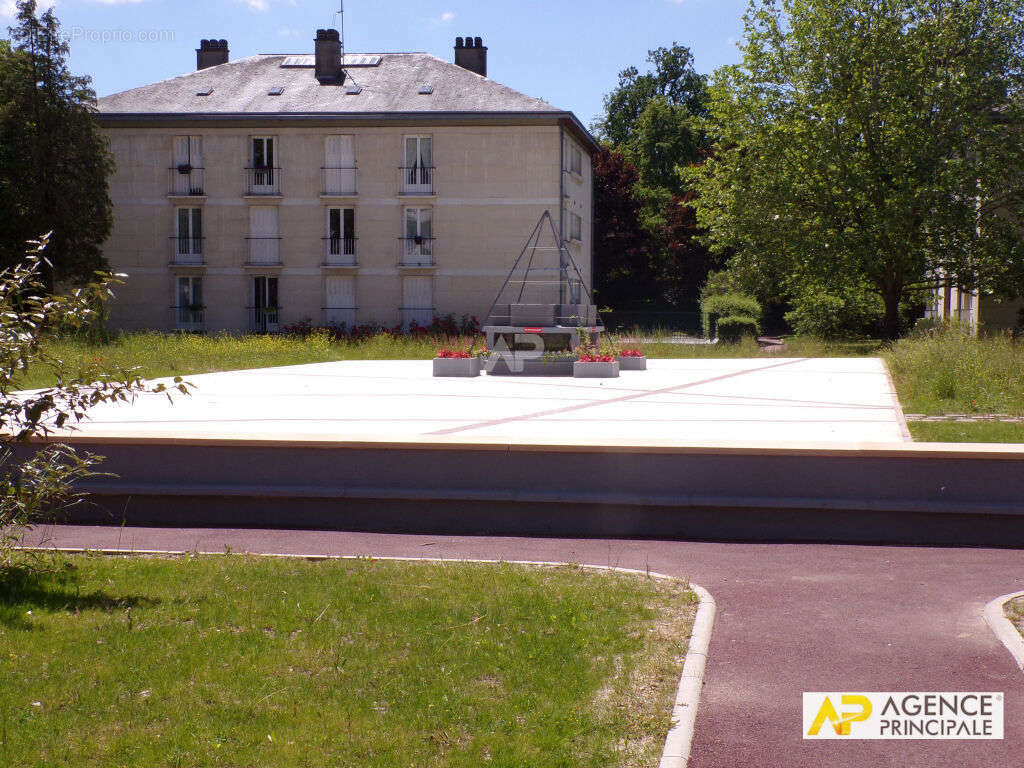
416 251
263 181
188 318
421 317
340 251
186 250
264 250
186 181
264 319
417 180
338 181
336 317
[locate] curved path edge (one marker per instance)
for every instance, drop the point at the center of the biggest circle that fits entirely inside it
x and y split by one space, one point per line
995 617
678 743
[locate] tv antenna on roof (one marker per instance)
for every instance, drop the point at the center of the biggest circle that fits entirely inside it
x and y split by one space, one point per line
340 15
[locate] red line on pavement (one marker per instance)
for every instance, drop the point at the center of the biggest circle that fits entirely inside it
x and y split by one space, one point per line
620 399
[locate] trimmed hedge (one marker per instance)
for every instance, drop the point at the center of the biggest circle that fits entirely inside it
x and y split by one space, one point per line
733 305
733 328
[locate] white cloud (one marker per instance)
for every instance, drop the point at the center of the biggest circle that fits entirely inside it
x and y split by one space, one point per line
9 9
257 6
117 2
447 16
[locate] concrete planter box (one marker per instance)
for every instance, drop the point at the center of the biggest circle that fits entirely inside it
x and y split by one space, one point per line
632 363
533 368
595 370
456 366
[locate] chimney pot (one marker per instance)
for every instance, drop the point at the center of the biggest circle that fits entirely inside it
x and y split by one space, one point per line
211 52
471 55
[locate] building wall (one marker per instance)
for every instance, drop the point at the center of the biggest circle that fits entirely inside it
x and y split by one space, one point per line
491 185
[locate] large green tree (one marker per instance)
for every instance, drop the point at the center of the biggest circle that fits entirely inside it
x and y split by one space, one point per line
870 142
54 162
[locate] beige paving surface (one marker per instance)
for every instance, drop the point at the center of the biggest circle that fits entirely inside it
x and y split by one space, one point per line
832 400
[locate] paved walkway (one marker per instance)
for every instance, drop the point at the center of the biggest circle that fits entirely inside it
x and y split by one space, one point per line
791 618
751 400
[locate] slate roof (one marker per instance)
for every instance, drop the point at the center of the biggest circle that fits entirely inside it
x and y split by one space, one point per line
241 87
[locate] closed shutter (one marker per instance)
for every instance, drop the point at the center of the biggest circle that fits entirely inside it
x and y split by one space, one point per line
341 291
340 295
417 301
339 165
263 240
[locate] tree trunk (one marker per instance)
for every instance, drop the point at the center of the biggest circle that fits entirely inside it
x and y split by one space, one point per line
891 325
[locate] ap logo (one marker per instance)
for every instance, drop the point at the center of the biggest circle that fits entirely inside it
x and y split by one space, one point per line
842 724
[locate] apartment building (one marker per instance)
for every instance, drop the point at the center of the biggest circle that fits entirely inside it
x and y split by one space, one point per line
333 188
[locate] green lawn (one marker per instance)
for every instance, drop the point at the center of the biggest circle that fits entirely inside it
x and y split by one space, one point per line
978 432
1015 612
246 661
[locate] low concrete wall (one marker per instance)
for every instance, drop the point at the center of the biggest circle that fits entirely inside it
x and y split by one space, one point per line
906 494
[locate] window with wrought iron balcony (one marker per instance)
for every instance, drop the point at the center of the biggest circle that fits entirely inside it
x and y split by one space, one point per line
186 181
340 242
187 243
417 169
263 176
416 246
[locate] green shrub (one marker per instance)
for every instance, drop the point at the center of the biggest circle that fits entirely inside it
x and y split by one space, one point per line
734 328
724 305
852 314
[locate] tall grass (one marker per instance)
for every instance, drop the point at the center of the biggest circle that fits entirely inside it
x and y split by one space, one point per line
162 354
950 371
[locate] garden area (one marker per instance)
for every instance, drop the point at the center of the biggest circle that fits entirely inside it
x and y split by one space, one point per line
239 660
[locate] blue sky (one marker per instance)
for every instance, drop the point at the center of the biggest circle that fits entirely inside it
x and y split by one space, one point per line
567 53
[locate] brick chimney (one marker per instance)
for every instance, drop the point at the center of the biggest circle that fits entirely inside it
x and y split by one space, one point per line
210 53
328 57
471 55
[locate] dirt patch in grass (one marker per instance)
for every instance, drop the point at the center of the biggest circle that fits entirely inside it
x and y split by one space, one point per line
238 661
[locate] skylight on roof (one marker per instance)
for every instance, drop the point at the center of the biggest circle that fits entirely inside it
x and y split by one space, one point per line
426 89
206 92
349 60
275 91
353 90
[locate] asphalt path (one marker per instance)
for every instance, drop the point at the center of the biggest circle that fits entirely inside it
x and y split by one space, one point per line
791 618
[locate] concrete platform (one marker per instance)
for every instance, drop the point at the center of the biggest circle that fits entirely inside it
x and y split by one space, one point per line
840 401
790 449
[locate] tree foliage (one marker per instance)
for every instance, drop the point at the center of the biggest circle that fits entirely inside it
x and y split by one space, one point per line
653 120
870 142
621 245
672 79
29 315
54 162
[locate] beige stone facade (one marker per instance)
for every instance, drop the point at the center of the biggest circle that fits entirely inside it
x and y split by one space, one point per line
488 186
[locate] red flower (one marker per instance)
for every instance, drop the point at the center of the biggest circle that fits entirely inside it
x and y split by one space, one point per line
631 353
596 359
454 354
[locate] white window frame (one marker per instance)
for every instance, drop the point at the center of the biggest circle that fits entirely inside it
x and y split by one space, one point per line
417 179
424 250
335 251
185 318
265 181
188 247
